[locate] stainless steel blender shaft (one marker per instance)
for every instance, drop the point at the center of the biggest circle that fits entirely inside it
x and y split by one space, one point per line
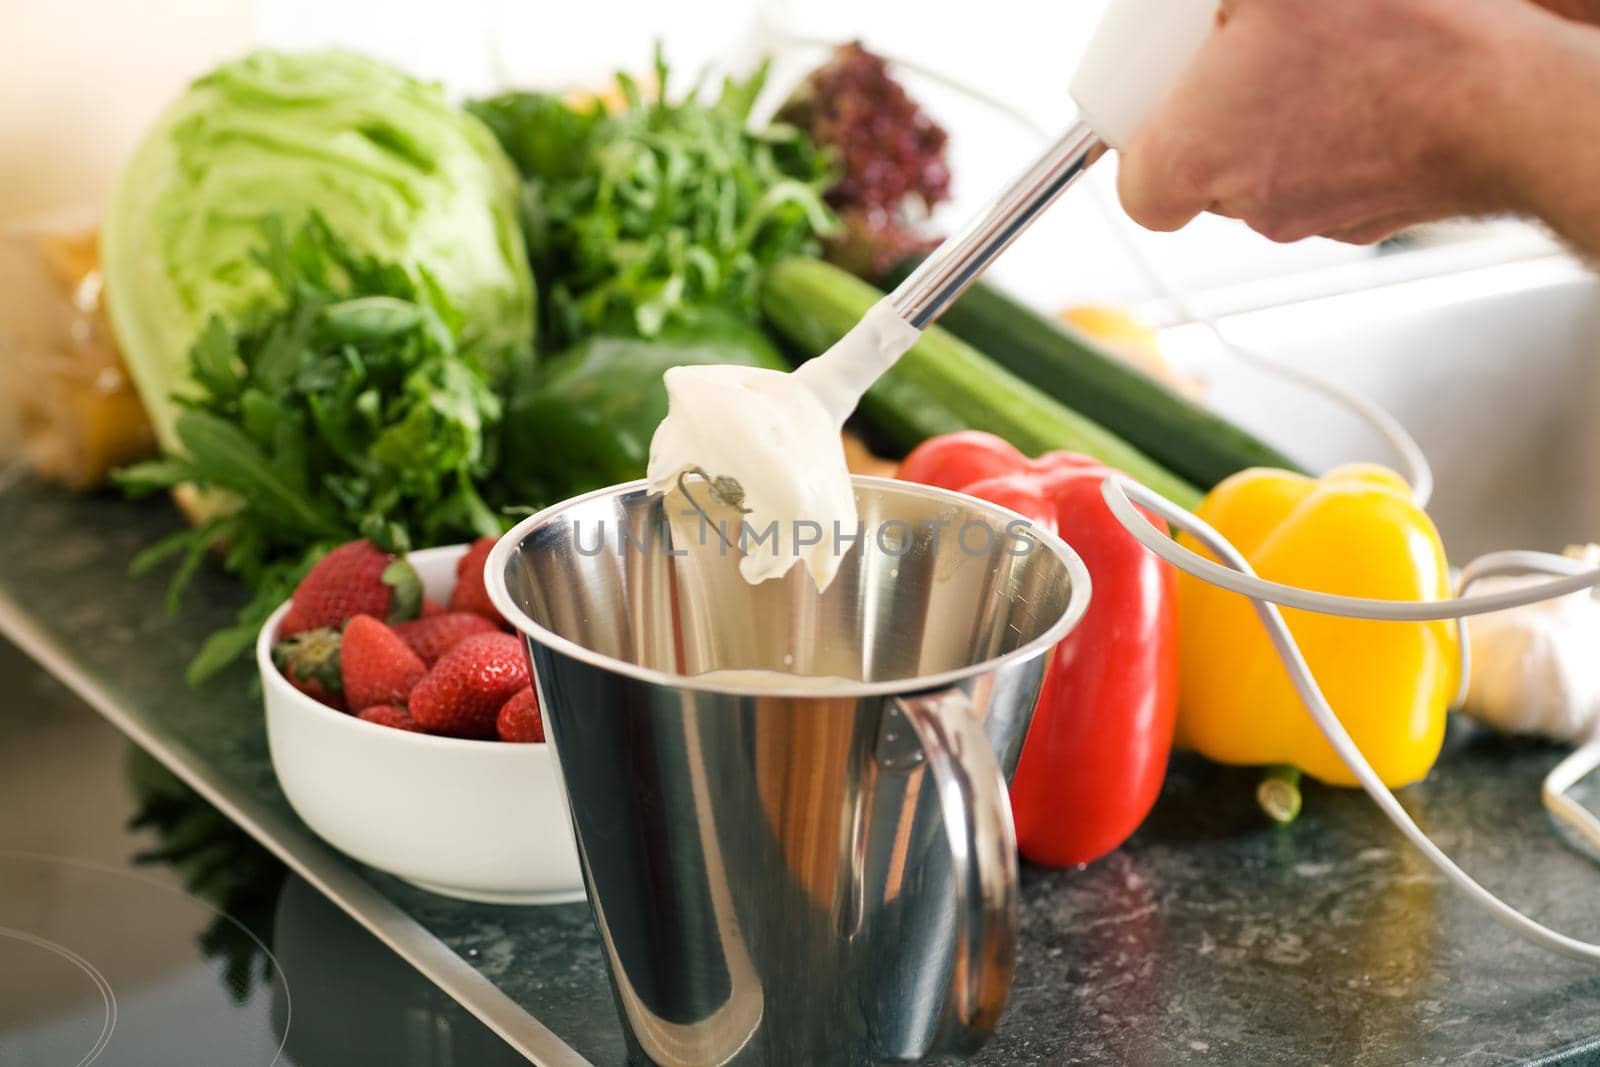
956 263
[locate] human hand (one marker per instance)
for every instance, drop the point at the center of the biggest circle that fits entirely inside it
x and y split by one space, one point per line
1349 119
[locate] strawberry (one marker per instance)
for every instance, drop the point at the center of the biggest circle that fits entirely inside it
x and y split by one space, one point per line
389 715
377 667
463 693
519 718
309 661
470 594
357 578
431 606
433 635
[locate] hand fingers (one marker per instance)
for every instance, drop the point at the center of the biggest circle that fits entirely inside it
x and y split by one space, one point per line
1167 173
1162 185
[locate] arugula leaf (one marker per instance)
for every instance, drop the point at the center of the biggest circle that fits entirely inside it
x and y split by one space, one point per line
214 361
350 408
152 475
225 456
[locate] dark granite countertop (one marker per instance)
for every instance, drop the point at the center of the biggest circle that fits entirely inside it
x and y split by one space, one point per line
1210 937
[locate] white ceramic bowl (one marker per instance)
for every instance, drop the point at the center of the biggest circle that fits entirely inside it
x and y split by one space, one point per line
478 820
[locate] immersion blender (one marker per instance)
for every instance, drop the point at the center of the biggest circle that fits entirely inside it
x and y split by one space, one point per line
1135 58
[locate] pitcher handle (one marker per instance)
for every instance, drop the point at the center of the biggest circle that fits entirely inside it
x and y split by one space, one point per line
983 849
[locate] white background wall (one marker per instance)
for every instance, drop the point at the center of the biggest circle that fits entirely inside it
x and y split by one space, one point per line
80 80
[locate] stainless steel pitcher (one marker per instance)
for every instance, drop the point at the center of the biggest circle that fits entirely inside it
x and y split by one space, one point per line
819 875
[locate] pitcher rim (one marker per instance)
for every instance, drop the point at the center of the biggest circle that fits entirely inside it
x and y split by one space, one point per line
1077 603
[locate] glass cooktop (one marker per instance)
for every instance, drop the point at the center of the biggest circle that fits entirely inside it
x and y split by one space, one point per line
140 928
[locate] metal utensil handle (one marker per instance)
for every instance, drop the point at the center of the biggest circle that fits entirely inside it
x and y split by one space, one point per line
983 848
956 263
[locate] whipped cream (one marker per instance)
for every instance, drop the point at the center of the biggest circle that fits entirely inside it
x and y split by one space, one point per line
777 435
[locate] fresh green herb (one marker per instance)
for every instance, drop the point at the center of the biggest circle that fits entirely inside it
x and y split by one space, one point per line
638 217
349 410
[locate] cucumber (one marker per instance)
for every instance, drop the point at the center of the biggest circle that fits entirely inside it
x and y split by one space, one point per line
1173 430
943 384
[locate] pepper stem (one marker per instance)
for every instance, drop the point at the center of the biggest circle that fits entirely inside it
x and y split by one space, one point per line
1279 793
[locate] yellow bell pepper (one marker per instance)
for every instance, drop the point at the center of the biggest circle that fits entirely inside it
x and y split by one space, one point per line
1356 532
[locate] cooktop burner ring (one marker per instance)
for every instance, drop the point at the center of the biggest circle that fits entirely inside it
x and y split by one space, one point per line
274 981
107 994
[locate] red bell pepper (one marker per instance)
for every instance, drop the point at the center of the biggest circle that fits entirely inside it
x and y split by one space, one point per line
1096 754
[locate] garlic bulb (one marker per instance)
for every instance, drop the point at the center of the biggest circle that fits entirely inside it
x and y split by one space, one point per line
1536 668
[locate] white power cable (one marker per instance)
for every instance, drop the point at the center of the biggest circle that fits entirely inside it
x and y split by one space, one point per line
1121 493
1266 597
1575 576
1510 561
1413 463
1581 761
1566 774
1355 607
